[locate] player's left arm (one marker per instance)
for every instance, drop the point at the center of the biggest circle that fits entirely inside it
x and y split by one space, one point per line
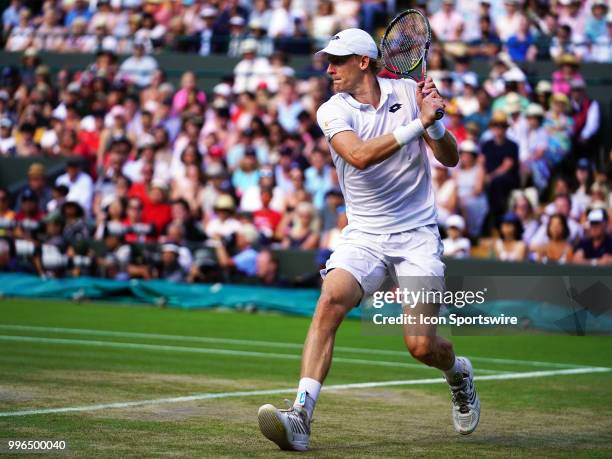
445 148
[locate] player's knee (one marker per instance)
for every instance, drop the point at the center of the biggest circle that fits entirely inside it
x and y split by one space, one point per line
330 312
422 348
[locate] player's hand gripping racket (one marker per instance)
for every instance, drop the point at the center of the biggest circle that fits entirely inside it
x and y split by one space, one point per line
405 45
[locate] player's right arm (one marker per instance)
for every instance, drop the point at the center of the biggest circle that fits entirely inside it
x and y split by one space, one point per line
359 153
362 154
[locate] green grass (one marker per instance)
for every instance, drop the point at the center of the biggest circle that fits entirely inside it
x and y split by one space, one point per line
564 415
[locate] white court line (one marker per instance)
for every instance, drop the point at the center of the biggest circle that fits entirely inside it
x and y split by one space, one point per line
336 387
201 350
211 340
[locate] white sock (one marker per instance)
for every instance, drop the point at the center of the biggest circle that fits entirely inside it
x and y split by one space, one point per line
307 394
454 375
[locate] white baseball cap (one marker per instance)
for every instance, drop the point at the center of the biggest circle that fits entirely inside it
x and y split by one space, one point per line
455 221
597 216
351 41
468 146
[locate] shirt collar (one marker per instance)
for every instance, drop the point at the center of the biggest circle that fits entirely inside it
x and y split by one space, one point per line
385 89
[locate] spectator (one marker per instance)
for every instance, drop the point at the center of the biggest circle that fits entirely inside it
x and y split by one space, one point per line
182 216
584 179
251 71
302 232
8 146
560 127
455 123
534 147
251 199
281 21
75 227
266 219
521 45
601 48
561 205
562 44
566 74
10 16
318 178
37 184
49 36
557 249
137 229
324 24
596 249
247 175
22 35
470 180
488 44
331 238
261 13
58 198
447 23
79 9
267 269
509 246
543 91
245 261
455 245
467 102
209 41
79 183
138 68
523 208
236 36
188 94
110 219
157 211
508 24
445 192
586 116
572 14
7 215
169 267
501 165
223 224
595 25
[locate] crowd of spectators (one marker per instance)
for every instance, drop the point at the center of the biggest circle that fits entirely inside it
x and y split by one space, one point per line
177 183
525 29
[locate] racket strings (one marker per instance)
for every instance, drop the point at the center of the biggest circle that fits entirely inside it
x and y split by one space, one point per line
404 44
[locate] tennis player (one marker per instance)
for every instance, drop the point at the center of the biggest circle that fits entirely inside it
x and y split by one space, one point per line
377 130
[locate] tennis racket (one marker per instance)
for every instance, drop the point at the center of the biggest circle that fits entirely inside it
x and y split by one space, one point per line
405 45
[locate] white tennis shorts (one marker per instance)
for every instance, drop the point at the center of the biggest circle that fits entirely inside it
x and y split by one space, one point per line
375 259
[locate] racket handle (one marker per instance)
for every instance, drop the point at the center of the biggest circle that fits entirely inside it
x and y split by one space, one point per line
439 114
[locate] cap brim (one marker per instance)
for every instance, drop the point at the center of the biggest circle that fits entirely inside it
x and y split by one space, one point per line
335 49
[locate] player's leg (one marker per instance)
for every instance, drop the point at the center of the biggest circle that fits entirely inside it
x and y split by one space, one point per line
435 351
416 257
290 429
340 293
353 269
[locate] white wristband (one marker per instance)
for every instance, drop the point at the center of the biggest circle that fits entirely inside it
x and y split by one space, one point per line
408 133
437 130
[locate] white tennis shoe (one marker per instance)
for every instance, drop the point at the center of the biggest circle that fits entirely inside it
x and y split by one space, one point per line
289 429
465 400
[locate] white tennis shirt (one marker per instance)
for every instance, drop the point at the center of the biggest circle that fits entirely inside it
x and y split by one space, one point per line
396 194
